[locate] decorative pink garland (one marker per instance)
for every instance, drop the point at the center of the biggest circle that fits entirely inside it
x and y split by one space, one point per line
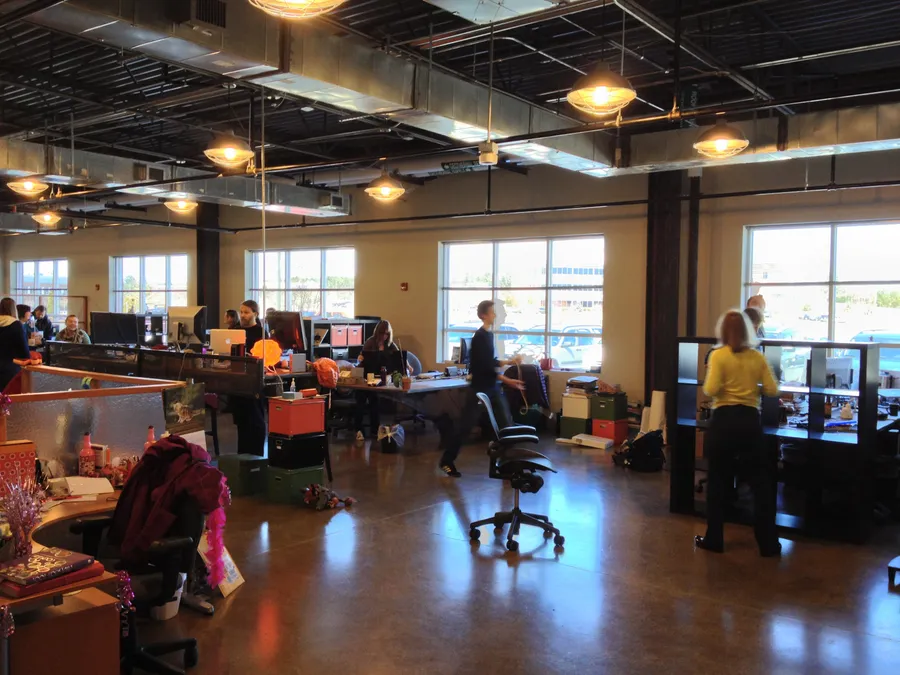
5 404
125 604
215 536
7 623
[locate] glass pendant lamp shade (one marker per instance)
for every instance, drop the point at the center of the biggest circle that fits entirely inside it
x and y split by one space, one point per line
181 205
296 9
385 189
601 92
46 218
721 141
27 187
229 152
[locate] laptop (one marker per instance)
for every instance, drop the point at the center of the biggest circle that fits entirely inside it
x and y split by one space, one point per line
222 339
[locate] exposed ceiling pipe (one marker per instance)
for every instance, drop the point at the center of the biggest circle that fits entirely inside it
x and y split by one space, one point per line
823 55
660 27
26 11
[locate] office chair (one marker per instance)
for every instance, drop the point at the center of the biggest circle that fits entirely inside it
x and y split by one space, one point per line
155 583
521 468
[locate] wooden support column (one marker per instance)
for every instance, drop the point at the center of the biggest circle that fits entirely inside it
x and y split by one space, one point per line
693 253
208 249
663 262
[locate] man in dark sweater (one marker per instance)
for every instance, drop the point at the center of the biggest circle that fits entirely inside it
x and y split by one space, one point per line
483 366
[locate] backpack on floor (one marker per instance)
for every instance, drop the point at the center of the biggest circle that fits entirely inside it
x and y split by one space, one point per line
643 454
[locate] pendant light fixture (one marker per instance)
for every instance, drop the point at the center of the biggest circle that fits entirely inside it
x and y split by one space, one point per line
229 152
28 187
385 189
46 218
296 9
180 205
721 141
601 92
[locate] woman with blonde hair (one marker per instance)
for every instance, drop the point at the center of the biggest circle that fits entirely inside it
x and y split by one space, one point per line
735 375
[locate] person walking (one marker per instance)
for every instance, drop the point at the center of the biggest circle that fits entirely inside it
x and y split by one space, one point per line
483 366
734 377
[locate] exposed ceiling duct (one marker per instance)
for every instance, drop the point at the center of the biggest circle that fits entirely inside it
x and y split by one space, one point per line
490 11
92 170
344 72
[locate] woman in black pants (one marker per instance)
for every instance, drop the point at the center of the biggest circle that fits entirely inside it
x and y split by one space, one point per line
734 377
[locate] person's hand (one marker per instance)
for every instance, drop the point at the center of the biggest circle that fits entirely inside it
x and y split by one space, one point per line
513 384
409 368
517 359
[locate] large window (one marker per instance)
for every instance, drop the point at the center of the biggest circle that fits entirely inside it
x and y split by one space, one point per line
150 283
835 282
42 282
315 282
548 295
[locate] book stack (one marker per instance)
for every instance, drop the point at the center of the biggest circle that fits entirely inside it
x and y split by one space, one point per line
45 570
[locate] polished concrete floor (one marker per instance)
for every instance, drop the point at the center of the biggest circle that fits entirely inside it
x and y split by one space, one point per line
393 586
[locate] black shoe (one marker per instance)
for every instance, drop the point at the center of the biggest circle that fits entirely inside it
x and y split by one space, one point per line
773 552
701 542
449 469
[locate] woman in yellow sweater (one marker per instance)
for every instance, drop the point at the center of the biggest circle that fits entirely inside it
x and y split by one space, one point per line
734 377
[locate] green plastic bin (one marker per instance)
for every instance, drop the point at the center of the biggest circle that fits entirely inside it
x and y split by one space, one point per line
610 407
572 426
287 486
246 474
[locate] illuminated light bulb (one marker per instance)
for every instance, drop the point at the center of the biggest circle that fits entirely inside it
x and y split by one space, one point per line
46 218
296 9
181 205
601 92
229 152
28 187
385 189
601 96
721 141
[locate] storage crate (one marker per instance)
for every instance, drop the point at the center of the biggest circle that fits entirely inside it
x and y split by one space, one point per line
287 486
339 336
296 417
297 452
569 427
611 407
615 430
246 474
576 406
355 335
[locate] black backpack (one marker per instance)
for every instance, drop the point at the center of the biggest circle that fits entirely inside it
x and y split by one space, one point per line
644 454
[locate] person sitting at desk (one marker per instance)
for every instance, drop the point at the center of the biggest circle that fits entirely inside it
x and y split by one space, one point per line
72 333
42 322
250 323
382 340
24 314
232 320
13 345
249 414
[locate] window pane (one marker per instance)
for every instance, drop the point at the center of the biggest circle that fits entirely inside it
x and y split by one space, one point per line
583 351
27 274
178 299
45 274
62 274
796 312
130 278
527 344
307 302
571 309
775 254
270 300
155 302
577 262
271 272
521 263
869 314
868 252
339 304
155 273
519 310
340 268
130 303
179 273
462 309
306 270
470 265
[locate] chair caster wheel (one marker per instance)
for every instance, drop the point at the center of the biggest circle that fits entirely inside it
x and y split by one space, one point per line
559 540
191 657
474 534
512 545
547 534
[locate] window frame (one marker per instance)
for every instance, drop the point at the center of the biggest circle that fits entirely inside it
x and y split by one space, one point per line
750 287
20 291
547 287
117 294
255 273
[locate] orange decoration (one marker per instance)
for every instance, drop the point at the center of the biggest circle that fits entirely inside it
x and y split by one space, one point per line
272 354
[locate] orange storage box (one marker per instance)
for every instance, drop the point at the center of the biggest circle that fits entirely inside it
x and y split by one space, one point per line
298 416
339 336
616 431
355 335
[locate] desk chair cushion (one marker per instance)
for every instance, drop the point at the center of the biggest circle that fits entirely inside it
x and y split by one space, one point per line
518 429
520 465
507 441
504 454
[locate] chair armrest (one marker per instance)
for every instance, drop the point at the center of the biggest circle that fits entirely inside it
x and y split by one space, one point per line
90 524
506 441
518 429
162 548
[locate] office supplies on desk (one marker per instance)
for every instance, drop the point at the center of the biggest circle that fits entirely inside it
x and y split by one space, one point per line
44 565
82 485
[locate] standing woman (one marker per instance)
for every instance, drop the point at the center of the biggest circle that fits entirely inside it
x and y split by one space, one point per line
249 413
734 377
13 344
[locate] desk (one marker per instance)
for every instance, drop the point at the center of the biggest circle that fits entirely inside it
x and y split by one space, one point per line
57 514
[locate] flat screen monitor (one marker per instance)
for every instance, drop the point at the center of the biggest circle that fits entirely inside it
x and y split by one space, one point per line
465 346
187 325
111 328
286 328
393 362
154 330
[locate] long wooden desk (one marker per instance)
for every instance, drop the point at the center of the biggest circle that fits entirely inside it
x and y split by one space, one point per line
417 387
62 512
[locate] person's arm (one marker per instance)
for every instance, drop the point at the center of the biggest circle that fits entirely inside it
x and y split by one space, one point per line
712 384
20 350
769 384
85 338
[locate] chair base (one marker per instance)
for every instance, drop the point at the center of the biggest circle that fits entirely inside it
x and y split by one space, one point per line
146 658
515 519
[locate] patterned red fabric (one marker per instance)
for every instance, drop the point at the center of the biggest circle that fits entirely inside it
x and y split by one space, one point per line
170 469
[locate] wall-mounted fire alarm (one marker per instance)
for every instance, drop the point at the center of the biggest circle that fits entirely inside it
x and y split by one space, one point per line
404 286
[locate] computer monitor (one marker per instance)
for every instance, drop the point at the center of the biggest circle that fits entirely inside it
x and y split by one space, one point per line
842 368
286 328
465 346
187 325
154 330
111 328
393 362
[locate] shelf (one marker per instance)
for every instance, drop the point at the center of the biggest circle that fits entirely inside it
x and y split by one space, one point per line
687 422
843 437
789 389
846 393
690 382
787 432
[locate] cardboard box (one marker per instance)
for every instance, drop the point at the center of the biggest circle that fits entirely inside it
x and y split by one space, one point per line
17 460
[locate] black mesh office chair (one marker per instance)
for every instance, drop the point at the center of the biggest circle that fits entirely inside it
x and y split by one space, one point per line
155 583
521 467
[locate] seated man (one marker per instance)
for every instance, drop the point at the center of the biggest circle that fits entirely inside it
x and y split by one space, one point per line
72 333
